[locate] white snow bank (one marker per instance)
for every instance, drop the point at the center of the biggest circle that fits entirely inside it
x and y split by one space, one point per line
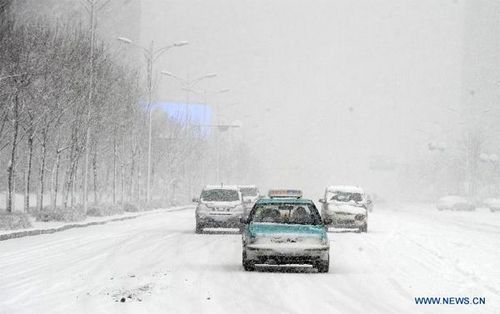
40 226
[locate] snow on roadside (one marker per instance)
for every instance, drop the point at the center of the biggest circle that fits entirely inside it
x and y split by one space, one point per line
56 225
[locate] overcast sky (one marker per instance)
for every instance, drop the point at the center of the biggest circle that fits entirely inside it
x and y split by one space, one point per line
321 85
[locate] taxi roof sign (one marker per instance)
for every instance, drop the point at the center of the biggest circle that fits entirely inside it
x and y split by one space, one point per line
285 193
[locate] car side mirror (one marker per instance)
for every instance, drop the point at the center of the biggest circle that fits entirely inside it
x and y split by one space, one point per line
195 200
322 200
327 221
243 220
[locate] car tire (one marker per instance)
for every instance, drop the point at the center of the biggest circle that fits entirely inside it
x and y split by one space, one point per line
323 266
247 265
242 229
364 228
199 228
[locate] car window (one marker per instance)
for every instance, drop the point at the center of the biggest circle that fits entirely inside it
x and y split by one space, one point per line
302 214
249 191
345 197
220 195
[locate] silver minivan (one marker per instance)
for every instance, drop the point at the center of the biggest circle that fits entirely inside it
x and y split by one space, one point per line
219 206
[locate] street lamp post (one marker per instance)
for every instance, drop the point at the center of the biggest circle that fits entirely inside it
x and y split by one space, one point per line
205 94
217 147
493 159
220 128
188 85
151 54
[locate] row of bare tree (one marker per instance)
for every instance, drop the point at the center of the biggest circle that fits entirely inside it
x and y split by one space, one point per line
44 72
49 125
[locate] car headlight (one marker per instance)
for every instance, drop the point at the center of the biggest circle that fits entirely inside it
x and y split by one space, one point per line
238 208
359 217
251 239
202 208
324 241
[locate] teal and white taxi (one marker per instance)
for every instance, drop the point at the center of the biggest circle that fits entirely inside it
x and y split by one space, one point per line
285 229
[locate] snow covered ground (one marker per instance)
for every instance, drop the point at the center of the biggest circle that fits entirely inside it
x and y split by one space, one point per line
43 225
157 264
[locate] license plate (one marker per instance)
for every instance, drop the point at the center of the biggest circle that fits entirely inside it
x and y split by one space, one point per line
284 240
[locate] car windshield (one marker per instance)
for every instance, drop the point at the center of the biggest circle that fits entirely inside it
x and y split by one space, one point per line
286 213
345 197
249 191
220 195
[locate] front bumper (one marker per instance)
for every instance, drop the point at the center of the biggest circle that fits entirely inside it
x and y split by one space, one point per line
344 221
457 207
266 255
220 220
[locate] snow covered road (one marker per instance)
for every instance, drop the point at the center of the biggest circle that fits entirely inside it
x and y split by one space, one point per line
157 264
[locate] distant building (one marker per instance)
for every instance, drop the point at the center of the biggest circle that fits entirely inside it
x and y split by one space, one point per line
199 115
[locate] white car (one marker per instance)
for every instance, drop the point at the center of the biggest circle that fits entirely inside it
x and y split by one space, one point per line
219 206
454 202
250 195
346 207
493 204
